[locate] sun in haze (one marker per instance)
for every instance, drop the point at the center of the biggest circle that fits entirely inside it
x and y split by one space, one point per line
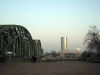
31 15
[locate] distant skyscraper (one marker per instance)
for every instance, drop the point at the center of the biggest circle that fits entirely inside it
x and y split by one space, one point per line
64 43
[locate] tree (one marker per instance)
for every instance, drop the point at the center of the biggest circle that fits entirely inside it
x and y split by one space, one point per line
92 39
53 53
84 55
47 53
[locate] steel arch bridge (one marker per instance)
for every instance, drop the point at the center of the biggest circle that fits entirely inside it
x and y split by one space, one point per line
15 39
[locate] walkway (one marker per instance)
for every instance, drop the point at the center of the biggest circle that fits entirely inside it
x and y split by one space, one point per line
51 68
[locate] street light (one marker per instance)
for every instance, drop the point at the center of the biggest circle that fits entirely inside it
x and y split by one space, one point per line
76 53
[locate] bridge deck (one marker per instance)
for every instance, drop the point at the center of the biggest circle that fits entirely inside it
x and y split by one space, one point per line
51 68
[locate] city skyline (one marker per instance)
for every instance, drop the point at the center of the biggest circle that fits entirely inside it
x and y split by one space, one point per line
49 20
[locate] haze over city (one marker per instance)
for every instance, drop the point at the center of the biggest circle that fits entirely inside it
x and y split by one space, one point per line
49 20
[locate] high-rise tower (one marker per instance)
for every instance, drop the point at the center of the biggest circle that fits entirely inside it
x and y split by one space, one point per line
63 43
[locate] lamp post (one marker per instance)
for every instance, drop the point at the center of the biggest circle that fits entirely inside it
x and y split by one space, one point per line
76 53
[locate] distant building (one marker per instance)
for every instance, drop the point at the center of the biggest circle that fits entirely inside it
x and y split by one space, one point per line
77 49
63 43
38 48
68 53
78 52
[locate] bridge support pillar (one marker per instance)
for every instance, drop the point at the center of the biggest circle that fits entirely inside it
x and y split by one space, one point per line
20 46
14 49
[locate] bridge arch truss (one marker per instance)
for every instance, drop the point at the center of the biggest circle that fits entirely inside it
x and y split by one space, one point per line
17 40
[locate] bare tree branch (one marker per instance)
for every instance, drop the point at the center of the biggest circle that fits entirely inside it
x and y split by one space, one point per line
92 39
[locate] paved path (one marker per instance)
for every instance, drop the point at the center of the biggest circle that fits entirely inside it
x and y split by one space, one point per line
51 68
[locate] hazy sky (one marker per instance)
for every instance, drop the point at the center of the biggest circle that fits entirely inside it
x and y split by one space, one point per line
49 20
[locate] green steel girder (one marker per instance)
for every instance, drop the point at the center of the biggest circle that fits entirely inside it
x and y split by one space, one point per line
9 33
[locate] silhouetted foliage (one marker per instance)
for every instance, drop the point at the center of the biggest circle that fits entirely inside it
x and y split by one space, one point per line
47 53
54 53
92 39
83 55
